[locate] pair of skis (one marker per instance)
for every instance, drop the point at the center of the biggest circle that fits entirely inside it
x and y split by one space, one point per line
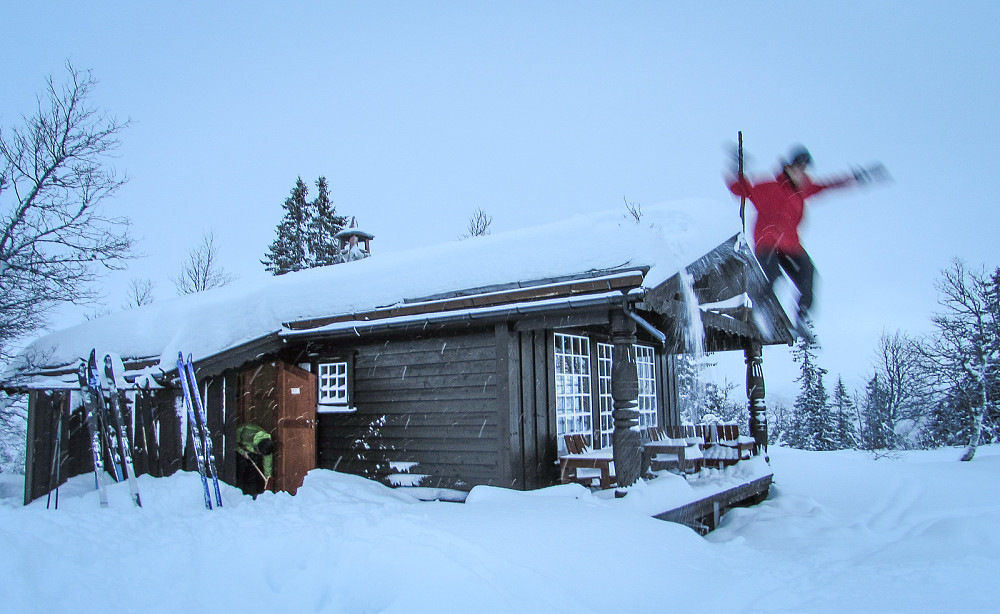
201 440
104 406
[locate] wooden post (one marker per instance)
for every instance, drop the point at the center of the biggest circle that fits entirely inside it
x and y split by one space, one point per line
755 395
625 441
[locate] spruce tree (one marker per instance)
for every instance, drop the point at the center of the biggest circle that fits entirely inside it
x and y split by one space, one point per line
815 429
878 433
844 413
289 249
948 422
323 225
305 235
690 389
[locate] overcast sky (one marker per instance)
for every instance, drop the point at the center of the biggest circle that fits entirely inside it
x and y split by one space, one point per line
418 113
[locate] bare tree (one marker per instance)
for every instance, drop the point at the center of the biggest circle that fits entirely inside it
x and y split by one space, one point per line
904 384
479 224
633 211
201 271
13 432
140 292
965 349
54 236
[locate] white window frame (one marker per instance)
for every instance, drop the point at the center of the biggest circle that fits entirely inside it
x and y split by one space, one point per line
574 415
607 402
645 362
333 383
570 348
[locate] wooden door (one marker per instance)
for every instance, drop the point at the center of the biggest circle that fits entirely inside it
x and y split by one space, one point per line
281 399
295 453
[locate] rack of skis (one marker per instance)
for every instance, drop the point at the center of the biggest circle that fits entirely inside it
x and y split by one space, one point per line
105 407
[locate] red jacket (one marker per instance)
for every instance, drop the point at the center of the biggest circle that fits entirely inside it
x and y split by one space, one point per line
780 208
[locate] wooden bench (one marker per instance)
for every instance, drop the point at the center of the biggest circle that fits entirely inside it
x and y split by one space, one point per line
695 434
669 448
729 436
582 465
729 446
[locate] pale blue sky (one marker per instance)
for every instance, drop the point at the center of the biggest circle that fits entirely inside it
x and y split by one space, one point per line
420 112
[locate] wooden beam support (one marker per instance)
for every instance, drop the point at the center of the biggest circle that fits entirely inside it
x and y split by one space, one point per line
755 395
626 442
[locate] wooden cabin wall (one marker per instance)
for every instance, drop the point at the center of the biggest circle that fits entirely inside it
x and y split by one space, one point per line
218 396
45 407
530 397
428 401
154 425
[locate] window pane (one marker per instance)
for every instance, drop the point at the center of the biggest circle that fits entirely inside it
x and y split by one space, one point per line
573 411
333 383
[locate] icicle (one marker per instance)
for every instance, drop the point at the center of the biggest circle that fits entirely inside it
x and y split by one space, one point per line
692 330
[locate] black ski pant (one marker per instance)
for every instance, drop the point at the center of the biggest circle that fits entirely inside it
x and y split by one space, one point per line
798 267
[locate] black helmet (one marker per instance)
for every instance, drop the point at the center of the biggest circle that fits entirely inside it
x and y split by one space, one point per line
799 156
265 447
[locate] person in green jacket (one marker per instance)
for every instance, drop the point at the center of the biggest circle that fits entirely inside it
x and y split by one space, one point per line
253 442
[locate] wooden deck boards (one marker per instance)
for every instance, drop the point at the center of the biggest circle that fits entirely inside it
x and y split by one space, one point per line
703 515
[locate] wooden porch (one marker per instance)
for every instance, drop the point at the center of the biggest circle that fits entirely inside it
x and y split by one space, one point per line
717 469
704 513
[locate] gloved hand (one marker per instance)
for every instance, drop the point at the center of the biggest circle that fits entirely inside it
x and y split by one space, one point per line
871 173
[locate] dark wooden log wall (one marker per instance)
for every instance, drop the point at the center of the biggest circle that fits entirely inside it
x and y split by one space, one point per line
45 408
531 445
430 401
154 427
218 396
472 407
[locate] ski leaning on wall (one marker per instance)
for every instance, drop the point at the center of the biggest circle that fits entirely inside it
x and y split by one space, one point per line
201 440
105 426
118 408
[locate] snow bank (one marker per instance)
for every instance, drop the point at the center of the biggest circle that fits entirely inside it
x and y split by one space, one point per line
840 533
669 237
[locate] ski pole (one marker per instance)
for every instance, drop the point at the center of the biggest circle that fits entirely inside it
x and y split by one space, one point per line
743 199
56 461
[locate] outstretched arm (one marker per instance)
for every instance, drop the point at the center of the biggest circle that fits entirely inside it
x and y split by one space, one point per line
858 176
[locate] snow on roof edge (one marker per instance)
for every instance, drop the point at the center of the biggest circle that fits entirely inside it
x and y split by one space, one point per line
668 237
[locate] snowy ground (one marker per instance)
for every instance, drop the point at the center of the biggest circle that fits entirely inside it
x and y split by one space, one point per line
840 533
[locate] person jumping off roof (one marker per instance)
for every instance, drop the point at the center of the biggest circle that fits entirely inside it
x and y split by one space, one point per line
780 205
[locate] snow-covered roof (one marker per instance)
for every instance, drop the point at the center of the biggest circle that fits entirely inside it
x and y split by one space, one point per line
668 237
353 232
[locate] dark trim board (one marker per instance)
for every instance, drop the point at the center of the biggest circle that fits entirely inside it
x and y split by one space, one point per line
703 515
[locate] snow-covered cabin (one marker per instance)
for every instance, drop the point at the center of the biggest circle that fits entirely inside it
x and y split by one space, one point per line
448 367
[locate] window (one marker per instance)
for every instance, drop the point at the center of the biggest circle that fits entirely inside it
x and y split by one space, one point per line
647 385
334 394
574 395
605 399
